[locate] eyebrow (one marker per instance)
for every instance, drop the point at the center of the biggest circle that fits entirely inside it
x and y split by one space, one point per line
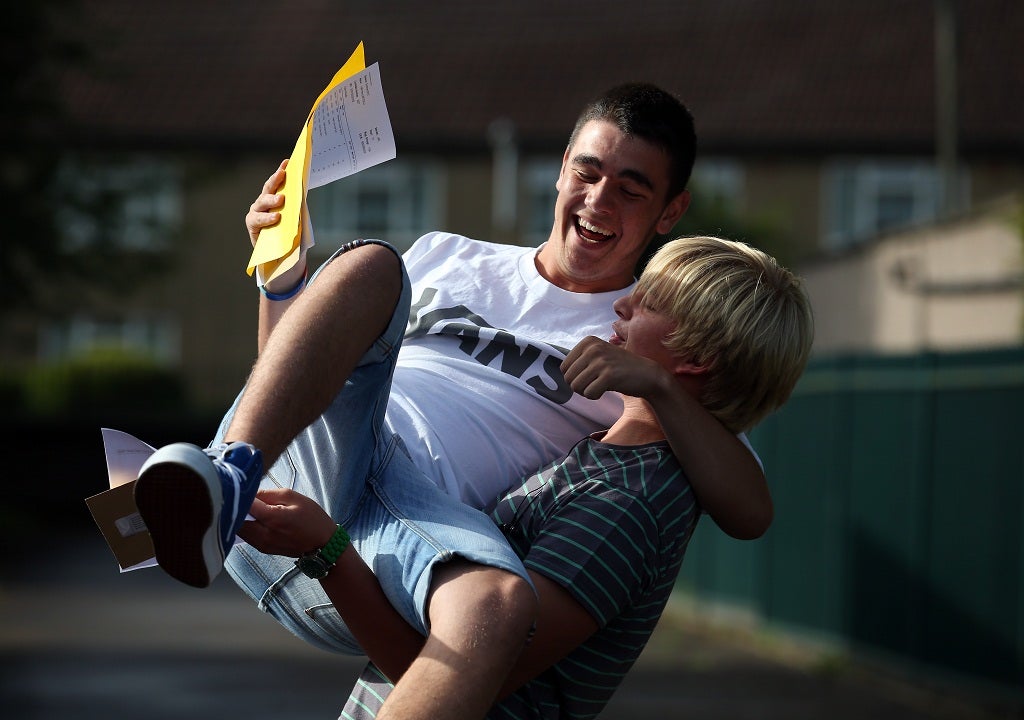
595 162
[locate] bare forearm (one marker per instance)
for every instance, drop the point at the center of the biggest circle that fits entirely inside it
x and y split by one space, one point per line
290 524
270 314
388 640
283 291
724 474
263 213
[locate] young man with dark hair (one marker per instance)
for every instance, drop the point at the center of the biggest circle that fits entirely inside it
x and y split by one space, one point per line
393 387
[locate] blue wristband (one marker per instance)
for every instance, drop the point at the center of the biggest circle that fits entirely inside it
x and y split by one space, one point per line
286 295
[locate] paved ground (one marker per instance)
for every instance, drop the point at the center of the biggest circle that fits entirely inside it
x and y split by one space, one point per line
78 640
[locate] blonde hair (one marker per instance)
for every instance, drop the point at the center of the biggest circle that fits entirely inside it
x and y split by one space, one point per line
738 313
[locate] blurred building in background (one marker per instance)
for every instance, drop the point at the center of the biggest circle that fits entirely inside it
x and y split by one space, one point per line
876 147
821 127
946 286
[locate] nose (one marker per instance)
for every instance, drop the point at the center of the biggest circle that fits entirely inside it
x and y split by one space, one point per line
599 196
623 307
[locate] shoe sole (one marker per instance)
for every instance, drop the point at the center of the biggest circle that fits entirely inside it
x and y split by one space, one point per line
181 509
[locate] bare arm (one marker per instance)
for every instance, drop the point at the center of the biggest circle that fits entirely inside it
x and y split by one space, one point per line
264 212
290 524
725 476
562 625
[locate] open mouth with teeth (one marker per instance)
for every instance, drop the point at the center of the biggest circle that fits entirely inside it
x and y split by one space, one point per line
594 233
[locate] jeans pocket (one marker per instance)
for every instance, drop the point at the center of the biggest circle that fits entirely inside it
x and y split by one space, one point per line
332 629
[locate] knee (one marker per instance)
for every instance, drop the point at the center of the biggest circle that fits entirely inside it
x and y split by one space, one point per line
369 268
502 601
486 605
377 259
370 258
514 599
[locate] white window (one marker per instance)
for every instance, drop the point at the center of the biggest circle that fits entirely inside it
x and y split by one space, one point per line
866 198
393 201
131 204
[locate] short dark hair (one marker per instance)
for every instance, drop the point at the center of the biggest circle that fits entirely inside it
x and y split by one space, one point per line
647 112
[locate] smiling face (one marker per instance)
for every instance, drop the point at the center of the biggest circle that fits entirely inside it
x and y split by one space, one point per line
612 200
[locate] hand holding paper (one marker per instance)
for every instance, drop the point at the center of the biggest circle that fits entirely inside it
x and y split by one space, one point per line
347 130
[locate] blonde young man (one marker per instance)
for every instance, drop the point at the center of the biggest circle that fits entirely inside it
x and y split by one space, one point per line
603 531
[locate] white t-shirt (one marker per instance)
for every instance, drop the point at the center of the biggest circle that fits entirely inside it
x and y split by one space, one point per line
478 396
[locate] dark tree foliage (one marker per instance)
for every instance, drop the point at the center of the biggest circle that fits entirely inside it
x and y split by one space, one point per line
40 271
715 217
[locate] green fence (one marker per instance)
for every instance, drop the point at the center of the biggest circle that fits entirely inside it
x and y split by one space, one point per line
899 520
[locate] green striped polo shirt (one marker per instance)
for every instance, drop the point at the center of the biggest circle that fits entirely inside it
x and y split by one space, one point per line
610 523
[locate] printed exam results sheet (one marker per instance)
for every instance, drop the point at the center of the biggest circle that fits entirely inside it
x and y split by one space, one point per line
351 129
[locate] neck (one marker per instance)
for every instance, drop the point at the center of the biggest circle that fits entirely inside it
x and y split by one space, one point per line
548 267
638 425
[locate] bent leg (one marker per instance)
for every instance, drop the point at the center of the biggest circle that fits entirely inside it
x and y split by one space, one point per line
311 354
194 501
480 619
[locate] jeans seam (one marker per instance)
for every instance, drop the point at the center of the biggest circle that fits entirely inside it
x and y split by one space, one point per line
443 552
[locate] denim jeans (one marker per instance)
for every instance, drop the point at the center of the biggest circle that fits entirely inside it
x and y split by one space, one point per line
398 520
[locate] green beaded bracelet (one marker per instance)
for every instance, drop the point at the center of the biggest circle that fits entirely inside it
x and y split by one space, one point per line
335 546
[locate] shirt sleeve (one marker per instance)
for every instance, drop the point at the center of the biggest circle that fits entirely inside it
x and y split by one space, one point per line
368 695
602 547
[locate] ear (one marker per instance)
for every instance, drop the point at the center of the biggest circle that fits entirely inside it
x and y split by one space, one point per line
689 368
561 170
691 376
672 212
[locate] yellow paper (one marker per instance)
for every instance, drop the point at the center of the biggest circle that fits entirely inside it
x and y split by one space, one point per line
278 247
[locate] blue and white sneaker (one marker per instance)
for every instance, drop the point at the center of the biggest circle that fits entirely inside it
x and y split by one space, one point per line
193 502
